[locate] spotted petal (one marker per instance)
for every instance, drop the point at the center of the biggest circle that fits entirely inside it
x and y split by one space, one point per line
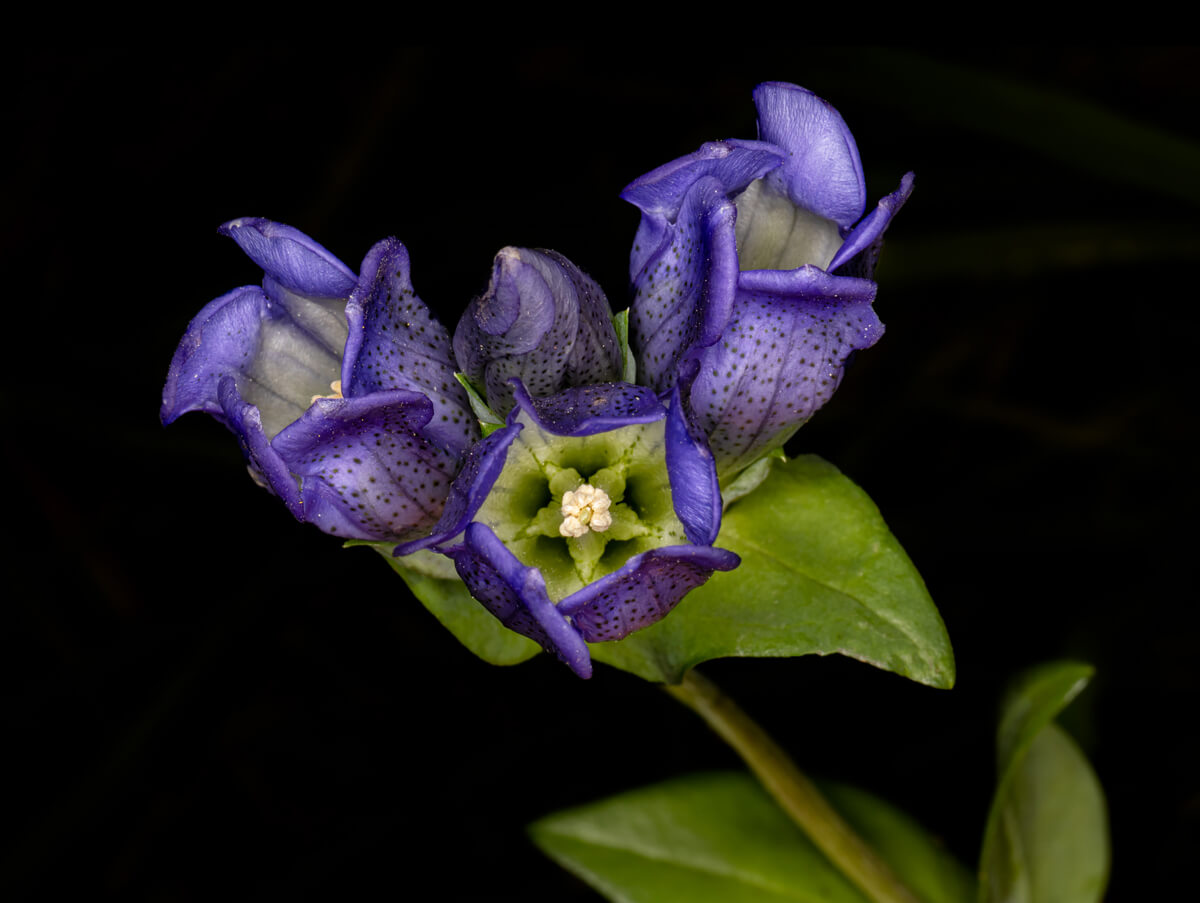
481 467
644 591
780 359
683 294
366 468
395 343
541 320
516 595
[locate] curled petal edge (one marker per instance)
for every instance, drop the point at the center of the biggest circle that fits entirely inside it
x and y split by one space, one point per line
518 597
874 224
266 464
644 603
291 257
695 490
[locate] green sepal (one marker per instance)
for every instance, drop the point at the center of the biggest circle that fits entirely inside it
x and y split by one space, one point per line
432 579
1046 839
489 420
820 573
719 838
752 477
620 322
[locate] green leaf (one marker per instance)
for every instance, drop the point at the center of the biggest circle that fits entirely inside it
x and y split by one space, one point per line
432 580
1047 832
820 573
919 860
720 837
1033 701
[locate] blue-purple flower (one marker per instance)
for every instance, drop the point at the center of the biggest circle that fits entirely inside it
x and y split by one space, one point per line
541 320
751 270
339 387
592 507
587 517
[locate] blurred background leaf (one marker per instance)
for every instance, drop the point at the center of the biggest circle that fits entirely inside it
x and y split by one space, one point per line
1047 831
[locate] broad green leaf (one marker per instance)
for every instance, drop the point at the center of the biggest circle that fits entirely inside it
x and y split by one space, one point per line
920 861
720 837
432 580
820 573
1047 832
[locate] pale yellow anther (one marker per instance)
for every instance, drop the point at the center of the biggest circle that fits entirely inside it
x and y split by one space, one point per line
585 508
336 386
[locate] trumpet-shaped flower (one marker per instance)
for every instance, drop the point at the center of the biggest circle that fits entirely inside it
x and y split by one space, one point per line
751 270
339 387
587 517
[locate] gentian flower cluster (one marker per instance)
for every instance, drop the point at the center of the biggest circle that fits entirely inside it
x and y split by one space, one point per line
575 506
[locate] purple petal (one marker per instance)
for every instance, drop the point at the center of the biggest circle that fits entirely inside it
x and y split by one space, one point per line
643 591
395 343
735 164
780 358
683 295
366 469
517 596
484 461
291 258
541 320
587 410
868 235
822 171
266 467
695 492
220 340
581 411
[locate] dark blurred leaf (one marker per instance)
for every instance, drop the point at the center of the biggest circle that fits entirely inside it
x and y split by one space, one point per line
1047 832
1078 132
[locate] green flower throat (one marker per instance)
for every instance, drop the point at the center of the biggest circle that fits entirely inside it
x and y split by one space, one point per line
578 507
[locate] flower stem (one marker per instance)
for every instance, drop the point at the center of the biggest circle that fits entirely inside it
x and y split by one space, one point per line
794 792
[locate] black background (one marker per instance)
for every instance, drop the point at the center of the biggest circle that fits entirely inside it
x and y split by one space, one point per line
205 699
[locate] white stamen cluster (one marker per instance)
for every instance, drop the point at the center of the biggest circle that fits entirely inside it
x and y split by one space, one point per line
336 386
586 507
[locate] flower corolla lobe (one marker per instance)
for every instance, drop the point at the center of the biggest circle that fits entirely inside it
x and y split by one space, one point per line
373 461
751 273
505 515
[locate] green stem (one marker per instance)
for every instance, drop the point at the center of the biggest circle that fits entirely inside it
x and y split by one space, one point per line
795 793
